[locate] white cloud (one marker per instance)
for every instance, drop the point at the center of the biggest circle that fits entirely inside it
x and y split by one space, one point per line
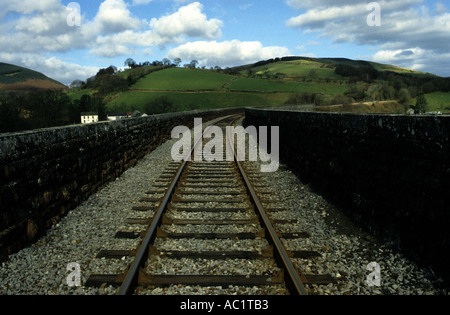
112 32
53 67
406 25
415 58
37 29
28 6
189 21
316 18
114 16
226 53
64 71
114 45
49 22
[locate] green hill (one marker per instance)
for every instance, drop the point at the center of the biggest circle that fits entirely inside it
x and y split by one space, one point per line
181 79
18 79
288 80
322 67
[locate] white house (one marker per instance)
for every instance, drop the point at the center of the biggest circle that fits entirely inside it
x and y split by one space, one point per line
89 117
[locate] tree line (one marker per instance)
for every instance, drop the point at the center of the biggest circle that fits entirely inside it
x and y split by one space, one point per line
51 108
107 81
44 109
355 95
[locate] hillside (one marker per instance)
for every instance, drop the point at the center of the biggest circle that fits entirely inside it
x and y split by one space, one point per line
322 67
288 80
18 79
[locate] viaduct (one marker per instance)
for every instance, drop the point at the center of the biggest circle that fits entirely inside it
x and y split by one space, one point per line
391 173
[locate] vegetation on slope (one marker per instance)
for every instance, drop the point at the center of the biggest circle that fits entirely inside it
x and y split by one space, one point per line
326 84
15 78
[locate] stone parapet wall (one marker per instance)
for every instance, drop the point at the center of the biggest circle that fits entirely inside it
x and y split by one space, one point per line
389 173
46 173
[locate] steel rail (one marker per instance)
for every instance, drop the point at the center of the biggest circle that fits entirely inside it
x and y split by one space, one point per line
132 274
292 278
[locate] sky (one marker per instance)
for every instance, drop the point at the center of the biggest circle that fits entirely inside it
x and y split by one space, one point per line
69 40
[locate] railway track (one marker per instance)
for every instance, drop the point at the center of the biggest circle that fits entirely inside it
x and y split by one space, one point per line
222 205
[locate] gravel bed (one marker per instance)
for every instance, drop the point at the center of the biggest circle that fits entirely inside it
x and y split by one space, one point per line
247 215
41 269
210 205
213 228
346 250
207 190
164 266
211 245
231 290
216 198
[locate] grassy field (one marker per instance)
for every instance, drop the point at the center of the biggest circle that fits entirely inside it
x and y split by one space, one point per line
15 78
438 102
135 72
299 68
262 85
201 89
137 100
382 67
180 79
267 84
13 74
77 94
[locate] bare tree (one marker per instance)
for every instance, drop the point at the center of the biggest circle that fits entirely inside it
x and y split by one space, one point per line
130 63
177 62
193 64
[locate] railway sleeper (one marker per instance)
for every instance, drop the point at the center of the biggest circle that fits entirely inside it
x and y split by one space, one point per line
143 208
169 221
156 191
245 235
215 180
99 280
210 209
213 280
146 280
208 171
209 192
266 253
219 185
212 171
239 199
218 255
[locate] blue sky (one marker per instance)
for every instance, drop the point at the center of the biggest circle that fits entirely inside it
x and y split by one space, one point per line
35 33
